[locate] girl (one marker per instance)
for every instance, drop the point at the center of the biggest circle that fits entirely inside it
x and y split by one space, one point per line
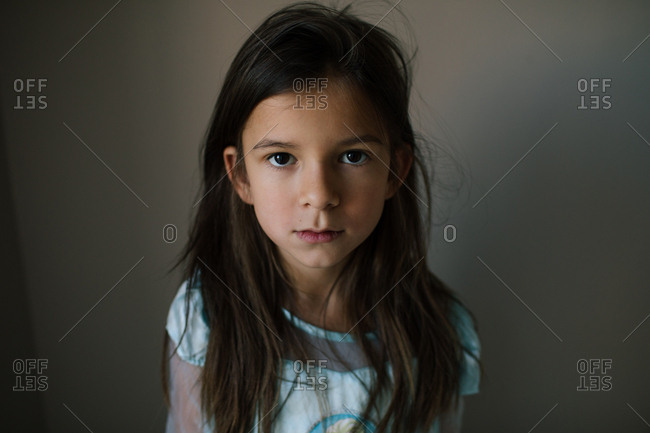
307 305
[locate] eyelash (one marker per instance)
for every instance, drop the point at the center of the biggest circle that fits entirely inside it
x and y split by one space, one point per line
268 158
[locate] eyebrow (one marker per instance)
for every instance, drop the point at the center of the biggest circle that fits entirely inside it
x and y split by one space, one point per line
366 139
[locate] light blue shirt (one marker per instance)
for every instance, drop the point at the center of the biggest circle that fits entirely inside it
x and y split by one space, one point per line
301 384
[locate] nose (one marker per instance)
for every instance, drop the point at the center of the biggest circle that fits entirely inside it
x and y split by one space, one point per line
318 187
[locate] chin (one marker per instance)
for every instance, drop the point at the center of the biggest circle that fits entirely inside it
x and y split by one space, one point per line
319 264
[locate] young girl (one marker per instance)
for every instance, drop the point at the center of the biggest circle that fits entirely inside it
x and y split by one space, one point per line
307 305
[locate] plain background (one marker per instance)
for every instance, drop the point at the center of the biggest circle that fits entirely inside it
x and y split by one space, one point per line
553 260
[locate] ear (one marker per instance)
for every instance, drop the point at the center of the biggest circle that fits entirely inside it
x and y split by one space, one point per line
403 161
239 182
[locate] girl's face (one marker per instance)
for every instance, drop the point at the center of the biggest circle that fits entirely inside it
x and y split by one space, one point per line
319 166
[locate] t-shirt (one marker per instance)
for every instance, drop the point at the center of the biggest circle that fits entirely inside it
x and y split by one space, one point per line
301 381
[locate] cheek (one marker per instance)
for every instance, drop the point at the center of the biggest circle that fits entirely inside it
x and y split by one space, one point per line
371 189
271 206
366 203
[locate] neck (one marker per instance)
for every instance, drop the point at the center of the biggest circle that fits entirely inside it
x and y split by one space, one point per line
311 290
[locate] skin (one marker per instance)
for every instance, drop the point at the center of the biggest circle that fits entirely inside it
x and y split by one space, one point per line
317 183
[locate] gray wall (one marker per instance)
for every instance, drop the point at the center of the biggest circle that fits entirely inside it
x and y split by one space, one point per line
551 260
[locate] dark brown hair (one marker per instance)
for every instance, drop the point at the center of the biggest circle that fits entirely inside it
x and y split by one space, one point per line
385 286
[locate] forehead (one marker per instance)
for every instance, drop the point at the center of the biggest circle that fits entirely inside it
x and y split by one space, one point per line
322 115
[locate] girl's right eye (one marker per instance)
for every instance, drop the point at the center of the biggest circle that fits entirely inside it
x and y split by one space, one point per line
279 160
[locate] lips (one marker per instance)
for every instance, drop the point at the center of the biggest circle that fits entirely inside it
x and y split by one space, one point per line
327 229
313 236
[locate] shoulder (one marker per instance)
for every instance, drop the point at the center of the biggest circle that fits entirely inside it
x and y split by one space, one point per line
470 370
188 328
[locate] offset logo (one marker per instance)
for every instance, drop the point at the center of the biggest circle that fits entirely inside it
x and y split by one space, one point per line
593 94
310 382
593 374
29 374
29 93
309 93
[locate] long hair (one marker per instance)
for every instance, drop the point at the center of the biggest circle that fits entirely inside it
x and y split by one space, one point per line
385 286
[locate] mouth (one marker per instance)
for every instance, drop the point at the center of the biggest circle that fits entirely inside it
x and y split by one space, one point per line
326 229
318 236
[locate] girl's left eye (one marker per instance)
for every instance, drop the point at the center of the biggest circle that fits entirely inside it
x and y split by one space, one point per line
355 157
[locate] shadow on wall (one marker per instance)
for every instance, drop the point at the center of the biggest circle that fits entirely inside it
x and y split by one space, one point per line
22 403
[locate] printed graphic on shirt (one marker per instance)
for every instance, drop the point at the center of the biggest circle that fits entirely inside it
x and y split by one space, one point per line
343 423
